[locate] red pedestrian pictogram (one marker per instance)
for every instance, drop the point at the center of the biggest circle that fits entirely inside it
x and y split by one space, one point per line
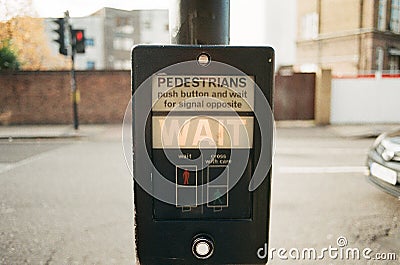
186 176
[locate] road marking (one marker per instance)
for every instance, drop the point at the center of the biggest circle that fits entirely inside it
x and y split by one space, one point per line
322 170
7 167
320 150
3 167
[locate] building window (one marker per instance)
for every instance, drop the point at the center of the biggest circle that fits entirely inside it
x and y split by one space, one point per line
122 64
147 24
395 16
90 65
89 42
126 29
394 59
382 15
394 64
121 21
310 26
117 43
123 44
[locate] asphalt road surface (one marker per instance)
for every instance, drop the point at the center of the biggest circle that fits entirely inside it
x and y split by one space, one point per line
69 201
321 196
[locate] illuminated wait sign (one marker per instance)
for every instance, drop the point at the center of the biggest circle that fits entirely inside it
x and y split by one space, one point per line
202 132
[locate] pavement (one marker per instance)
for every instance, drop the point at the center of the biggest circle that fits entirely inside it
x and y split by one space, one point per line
344 130
67 131
49 131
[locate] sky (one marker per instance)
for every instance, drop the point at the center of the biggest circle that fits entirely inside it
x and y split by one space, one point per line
78 8
253 22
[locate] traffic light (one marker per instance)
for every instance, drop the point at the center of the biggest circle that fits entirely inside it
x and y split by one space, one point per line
61 37
78 36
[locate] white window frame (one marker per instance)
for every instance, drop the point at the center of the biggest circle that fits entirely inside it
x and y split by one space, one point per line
310 26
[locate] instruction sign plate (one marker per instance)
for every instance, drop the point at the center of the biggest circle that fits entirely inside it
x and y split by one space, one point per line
202 93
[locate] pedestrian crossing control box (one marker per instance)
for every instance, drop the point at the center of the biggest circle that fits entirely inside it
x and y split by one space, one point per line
202 152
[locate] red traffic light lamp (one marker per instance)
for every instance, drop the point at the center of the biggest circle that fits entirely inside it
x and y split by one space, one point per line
78 36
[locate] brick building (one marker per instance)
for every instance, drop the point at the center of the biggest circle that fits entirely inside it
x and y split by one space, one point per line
348 36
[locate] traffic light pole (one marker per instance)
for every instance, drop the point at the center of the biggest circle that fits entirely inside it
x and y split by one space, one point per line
203 22
74 90
75 93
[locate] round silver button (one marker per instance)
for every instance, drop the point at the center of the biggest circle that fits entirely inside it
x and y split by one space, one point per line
202 247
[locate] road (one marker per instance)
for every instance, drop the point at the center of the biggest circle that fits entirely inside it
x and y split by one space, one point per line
320 194
66 201
69 200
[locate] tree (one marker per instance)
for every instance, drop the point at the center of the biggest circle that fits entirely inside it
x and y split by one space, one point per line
8 59
25 35
15 8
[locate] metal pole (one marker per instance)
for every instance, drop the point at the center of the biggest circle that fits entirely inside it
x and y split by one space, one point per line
199 22
75 93
71 51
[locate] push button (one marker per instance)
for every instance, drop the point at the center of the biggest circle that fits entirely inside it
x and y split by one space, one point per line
202 247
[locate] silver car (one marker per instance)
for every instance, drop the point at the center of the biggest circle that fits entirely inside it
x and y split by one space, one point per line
384 163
